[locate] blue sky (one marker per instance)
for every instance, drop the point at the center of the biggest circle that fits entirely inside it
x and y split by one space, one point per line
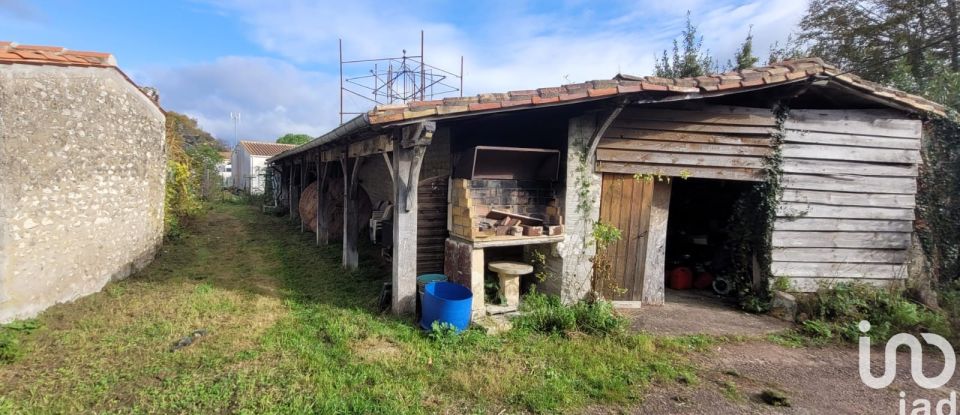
276 61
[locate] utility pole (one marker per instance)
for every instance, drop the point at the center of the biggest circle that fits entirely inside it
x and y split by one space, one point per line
235 116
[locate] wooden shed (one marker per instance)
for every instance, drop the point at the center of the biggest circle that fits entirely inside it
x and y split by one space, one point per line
663 160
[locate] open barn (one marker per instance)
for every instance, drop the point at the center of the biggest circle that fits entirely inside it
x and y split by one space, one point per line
454 184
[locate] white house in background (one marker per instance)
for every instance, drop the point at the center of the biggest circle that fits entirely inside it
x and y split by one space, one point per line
224 168
249 162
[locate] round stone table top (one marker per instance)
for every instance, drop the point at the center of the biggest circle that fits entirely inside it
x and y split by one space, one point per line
510 267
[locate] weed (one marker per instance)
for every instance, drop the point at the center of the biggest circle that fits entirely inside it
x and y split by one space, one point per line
547 314
817 329
730 391
10 348
835 312
443 333
781 283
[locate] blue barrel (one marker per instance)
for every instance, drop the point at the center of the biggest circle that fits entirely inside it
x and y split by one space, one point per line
446 302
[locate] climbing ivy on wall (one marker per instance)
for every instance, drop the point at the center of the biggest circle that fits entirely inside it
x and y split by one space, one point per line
750 227
938 198
191 155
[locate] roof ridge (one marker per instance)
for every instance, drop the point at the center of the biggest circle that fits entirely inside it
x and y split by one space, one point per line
782 72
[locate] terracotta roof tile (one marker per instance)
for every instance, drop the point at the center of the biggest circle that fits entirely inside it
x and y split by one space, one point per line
773 74
11 52
258 148
14 53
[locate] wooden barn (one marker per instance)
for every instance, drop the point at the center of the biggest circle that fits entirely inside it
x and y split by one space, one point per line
452 185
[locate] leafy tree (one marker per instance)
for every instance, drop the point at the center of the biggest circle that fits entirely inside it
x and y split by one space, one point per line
297 139
910 44
190 131
688 58
744 57
791 49
192 156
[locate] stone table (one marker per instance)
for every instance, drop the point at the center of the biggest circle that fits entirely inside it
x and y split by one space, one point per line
509 273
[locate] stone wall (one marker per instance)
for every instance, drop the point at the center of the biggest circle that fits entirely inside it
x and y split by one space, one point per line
81 197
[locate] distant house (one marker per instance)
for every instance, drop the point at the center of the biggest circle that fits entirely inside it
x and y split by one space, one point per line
224 167
249 163
82 156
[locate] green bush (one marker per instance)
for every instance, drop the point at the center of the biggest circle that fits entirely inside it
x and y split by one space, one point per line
838 309
547 314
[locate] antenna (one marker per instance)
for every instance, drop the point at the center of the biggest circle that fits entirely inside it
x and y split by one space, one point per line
394 80
235 116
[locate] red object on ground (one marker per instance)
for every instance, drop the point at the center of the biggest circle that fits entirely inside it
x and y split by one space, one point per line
681 278
703 280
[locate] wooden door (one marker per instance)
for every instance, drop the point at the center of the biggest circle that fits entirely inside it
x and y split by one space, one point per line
625 203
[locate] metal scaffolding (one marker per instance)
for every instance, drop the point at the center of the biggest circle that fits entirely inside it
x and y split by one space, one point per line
396 80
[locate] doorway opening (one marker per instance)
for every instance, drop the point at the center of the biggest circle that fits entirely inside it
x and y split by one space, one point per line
701 248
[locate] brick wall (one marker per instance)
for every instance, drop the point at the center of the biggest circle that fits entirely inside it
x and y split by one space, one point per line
472 200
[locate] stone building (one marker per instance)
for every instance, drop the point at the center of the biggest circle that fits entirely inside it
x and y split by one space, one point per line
83 167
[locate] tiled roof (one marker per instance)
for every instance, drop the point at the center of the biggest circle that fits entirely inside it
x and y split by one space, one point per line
257 148
11 52
14 53
777 73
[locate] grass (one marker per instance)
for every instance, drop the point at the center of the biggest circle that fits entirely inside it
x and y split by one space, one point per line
288 331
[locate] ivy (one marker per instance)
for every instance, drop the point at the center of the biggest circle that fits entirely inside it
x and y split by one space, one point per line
938 198
750 227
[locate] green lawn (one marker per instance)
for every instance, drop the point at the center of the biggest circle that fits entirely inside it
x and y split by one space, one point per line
291 332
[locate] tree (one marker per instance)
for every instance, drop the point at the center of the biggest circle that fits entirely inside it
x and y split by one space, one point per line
744 57
689 62
791 49
297 139
910 44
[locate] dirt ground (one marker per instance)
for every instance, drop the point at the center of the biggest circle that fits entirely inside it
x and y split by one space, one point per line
692 312
732 376
814 380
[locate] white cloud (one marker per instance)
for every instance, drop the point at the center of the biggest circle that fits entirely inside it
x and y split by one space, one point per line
273 96
506 45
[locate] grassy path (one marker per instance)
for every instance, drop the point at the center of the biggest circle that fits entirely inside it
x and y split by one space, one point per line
291 332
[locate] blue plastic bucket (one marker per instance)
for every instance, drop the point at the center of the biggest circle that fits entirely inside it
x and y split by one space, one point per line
446 302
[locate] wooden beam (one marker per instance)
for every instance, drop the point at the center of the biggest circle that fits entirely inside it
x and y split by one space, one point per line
379 144
602 128
386 159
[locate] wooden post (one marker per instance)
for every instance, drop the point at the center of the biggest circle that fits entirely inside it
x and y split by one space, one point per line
655 257
322 229
409 148
290 189
303 179
351 214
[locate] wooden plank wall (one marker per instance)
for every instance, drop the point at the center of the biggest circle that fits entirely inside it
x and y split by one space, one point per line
714 142
849 195
431 224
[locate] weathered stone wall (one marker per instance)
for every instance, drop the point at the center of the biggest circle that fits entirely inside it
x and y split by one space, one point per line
570 262
81 196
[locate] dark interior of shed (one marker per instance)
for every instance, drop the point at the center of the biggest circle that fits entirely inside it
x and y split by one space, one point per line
698 251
